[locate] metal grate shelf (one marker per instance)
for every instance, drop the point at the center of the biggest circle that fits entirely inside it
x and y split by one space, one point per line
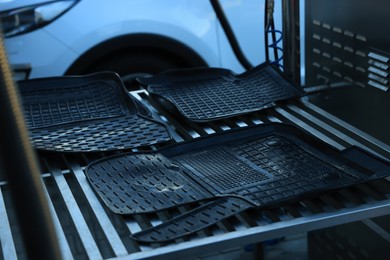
87 229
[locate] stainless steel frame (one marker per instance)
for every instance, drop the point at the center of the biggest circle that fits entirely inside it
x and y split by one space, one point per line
87 228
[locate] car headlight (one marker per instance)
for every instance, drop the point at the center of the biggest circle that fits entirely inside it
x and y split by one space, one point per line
26 19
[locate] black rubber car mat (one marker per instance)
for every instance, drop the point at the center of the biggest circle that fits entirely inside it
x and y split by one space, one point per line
86 114
252 167
206 94
193 221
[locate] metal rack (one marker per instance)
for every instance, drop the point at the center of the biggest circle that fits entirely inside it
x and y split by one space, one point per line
87 229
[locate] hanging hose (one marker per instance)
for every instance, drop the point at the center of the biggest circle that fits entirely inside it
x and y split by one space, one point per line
230 34
267 22
269 28
19 163
275 47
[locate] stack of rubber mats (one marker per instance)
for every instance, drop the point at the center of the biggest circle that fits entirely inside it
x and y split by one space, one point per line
233 171
202 95
86 114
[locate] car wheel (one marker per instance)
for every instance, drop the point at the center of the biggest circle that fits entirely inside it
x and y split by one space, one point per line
132 65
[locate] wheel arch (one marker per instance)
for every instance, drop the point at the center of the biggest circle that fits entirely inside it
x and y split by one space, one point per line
162 44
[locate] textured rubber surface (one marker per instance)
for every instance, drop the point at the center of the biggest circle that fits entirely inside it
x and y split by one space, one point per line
142 183
86 114
211 94
260 166
195 220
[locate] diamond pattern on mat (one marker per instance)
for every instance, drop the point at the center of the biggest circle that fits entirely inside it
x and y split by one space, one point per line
141 183
115 134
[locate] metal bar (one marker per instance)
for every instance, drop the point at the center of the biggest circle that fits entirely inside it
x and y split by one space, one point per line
274 119
350 128
24 176
291 39
332 130
64 246
309 128
177 130
86 237
7 241
143 97
378 229
107 226
133 227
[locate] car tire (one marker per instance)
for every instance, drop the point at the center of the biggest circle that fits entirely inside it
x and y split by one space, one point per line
131 65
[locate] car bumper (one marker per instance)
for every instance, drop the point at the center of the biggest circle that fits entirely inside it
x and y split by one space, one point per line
21 71
38 54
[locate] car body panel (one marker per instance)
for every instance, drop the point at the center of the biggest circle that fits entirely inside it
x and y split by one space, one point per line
12 4
52 49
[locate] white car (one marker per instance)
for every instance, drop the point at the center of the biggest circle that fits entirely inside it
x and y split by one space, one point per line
53 38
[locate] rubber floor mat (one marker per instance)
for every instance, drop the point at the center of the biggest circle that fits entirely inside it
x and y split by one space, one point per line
253 167
208 94
86 114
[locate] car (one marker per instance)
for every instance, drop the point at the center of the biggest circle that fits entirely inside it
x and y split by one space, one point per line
130 37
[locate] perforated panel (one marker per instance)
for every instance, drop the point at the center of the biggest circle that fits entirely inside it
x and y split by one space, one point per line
346 49
346 42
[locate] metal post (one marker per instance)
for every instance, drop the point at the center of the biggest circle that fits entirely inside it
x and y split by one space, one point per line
22 172
291 39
